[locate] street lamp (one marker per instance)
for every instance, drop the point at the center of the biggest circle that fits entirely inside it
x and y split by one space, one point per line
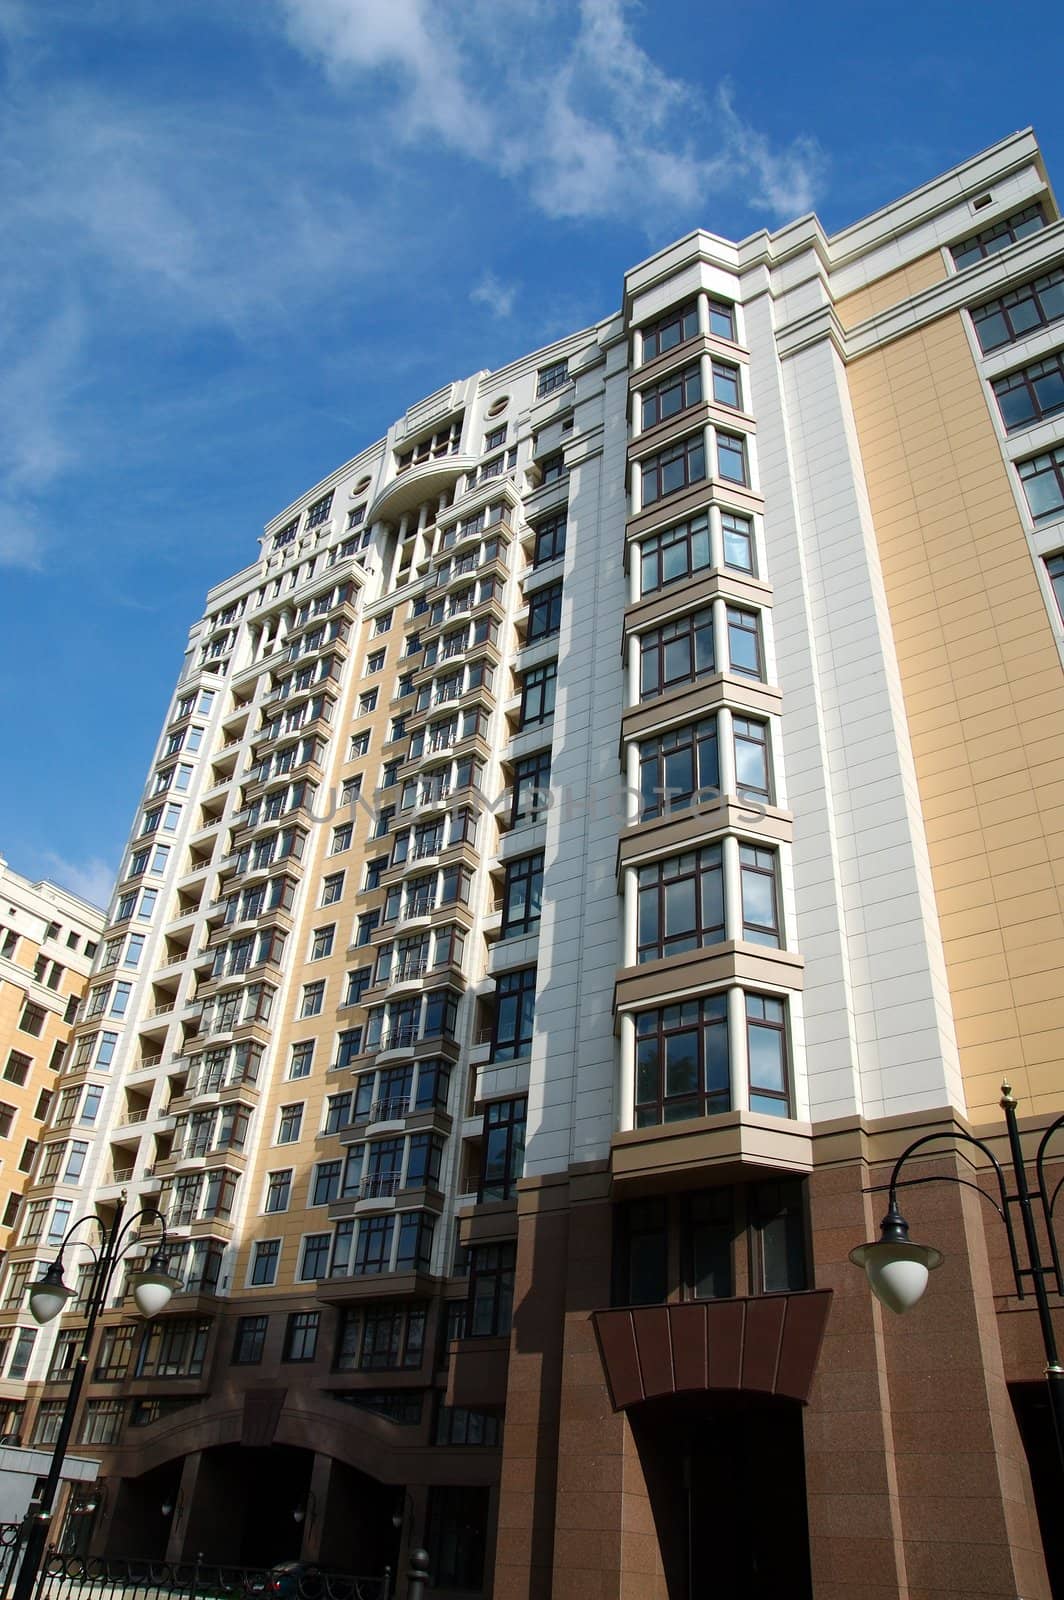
898 1269
47 1297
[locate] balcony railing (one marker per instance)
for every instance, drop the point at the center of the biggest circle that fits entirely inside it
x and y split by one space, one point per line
404 971
389 1110
379 1185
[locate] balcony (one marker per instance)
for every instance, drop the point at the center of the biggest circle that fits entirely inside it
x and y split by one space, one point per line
379 1186
424 480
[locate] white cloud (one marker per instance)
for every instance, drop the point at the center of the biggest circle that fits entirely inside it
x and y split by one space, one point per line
93 879
593 126
492 292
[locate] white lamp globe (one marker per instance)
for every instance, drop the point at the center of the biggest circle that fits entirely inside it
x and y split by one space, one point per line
153 1289
48 1295
897 1269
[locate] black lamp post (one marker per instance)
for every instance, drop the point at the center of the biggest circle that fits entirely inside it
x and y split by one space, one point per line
48 1296
898 1269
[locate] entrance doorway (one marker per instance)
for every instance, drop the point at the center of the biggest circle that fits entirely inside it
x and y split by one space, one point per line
726 1478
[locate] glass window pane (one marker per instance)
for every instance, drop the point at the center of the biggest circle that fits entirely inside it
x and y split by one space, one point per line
766 1058
681 1063
680 907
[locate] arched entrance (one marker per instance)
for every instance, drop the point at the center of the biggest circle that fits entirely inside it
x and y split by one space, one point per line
726 1478
255 1506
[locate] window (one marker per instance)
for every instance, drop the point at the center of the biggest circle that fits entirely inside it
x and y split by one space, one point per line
760 895
537 694
731 458
286 535
90 1108
674 328
1042 477
32 1018
515 995
290 1123
374 871
1011 316
673 394
249 1341
1000 234
1036 391
355 517
552 468
366 927
766 1041
7 1119
359 745
381 623
337 1112
681 904
722 319
523 895
332 888
550 539
491 1290
677 652
455 1425
545 612
114 1353
18 1065
744 642
374 662
47 1421
673 469
1055 569
683 1247
25 1339
319 511
102 1421
751 759
383 1335
367 702
682 1067
313 998
265 1255
302 1059
738 536
278 1190
357 984
173 1347
778 1229
325 1184
341 839
77 1150
556 376
678 769
322 942
726 391
675 554
301 1335
504 1149
531 791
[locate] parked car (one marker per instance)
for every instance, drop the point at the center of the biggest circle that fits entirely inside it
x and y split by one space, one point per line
289 1580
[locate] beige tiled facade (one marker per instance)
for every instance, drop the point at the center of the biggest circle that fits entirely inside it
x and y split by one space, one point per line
981 672
48 940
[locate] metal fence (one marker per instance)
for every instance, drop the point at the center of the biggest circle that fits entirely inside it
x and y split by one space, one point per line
10 1545
65 1577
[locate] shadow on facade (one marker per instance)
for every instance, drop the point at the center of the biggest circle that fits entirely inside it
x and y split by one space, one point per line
254 1507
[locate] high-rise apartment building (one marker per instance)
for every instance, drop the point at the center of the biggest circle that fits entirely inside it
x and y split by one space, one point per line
48 938
611 817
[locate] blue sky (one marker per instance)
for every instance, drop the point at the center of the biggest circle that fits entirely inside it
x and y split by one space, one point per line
241 236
